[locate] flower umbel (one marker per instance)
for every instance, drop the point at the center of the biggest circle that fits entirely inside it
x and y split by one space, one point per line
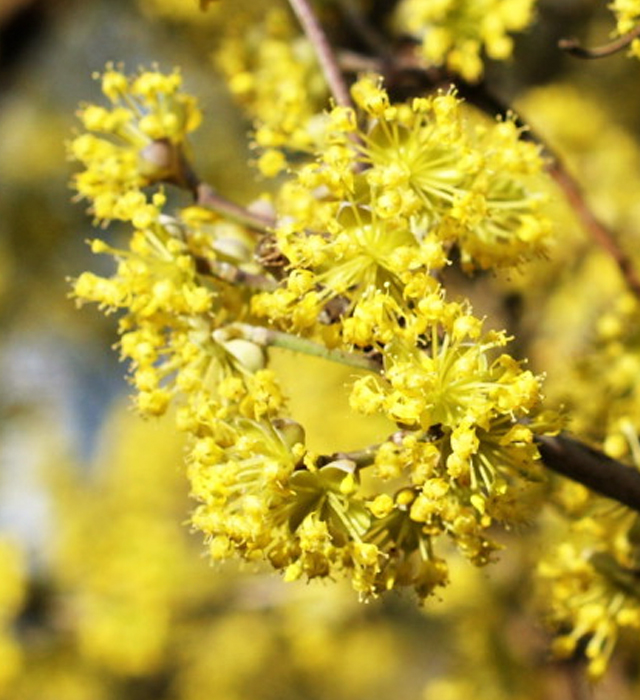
389 196
457 32
137 142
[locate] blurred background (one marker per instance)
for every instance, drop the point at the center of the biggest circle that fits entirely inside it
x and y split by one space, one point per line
104 592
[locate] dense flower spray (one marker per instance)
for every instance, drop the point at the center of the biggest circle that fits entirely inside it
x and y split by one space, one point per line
364 226
372 201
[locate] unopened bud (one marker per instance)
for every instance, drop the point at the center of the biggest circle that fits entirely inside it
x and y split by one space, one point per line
291 432
160 162
248 354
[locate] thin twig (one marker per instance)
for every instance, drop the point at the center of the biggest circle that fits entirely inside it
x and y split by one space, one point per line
573 47
600 233
328 64
207 197
361 458
177 170
272 338
595 470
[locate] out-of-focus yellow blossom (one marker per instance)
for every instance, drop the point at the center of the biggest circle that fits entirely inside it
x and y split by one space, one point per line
565 294
601 154
128 580
272 72
589 585
627 13
604 392
137 142
12 594
589 581
457 33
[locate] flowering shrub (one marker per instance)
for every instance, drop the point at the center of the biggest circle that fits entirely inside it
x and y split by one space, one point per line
380 195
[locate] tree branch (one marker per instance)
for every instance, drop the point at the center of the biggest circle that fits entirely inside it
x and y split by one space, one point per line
600 233
595 470
328 64
176 170
207 197
573 47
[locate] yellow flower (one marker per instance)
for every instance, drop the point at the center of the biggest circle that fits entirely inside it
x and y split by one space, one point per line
627 13
455 32
138 142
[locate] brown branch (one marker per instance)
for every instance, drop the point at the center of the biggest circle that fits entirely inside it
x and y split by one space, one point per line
328 64
169 165
600 233
595 470
207 197
573 47
562 454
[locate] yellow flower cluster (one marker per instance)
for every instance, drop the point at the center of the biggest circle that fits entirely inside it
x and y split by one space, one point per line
363 230
272 72
462 449
454 470
429 182
363 245
627 13
135 143
172 305
456 33
611 416
166 326
590 584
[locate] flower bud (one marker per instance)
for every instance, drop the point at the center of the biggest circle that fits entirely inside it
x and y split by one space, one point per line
248 354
